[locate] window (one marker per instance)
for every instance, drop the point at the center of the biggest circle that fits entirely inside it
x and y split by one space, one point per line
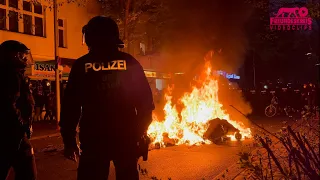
60 23
25 17
13 3
142 49
13 21
3 20
61 43
27 24
27 6
62 33
38 26
38 8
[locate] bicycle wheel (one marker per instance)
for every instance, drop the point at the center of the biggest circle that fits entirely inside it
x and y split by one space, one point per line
270 111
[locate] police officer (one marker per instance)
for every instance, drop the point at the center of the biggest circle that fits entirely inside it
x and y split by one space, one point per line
16 106
109 96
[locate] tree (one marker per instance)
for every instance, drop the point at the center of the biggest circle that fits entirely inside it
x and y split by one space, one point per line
136 18
281 49
261 18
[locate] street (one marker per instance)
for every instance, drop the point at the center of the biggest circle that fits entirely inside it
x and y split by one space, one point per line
133 76
178 162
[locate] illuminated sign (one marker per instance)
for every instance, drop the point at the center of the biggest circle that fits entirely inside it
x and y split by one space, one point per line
44 70
150 74
44 67
232 76
164 75
228 76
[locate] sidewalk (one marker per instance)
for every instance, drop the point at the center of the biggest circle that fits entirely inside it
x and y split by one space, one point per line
44 129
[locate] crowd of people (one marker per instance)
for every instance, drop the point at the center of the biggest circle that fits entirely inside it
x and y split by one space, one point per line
296 98
45 101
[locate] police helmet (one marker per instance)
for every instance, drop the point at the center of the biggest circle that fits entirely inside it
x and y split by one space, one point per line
16 54
101 30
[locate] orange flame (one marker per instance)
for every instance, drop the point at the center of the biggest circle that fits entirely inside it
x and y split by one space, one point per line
200 106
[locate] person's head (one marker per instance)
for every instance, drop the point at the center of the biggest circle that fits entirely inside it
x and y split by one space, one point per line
14 54
102 32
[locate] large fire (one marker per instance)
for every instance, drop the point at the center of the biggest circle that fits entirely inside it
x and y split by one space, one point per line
199 107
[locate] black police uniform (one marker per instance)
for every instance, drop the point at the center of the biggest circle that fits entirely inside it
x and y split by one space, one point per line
16 106
108 89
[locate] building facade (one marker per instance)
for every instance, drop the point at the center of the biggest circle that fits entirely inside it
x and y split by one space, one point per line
32 23
152 62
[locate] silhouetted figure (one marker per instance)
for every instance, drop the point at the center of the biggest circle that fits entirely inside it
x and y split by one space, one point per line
16 106
109 95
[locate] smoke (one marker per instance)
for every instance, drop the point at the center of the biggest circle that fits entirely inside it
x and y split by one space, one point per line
200 26
232 98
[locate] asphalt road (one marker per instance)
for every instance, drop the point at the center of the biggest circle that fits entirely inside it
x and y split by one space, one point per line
177 163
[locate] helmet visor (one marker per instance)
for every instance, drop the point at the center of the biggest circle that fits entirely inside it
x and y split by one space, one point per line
26 57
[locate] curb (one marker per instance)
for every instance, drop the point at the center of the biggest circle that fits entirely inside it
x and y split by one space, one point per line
45 136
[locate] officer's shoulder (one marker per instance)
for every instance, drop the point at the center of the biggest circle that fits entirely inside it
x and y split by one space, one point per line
80 61
129 59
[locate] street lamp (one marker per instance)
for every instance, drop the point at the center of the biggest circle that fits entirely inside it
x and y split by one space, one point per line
254 70
56 56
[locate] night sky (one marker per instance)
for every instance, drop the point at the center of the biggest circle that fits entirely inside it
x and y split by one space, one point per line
206 24
203 25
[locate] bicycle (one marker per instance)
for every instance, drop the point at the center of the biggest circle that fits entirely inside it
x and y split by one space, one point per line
290 111
271 110
274 108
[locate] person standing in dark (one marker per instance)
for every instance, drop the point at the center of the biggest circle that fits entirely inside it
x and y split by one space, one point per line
16 106
312 96
109 96
50 106
40 101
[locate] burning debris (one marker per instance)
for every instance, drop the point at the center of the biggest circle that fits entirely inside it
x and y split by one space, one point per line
220 129
200 120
